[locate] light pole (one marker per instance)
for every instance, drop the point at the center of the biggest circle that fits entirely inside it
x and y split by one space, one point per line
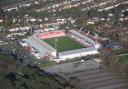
56 47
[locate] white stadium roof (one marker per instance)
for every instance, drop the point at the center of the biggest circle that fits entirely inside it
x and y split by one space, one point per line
76 51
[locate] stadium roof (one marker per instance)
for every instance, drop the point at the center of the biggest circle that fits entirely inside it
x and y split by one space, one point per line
76 51
92 42
35 45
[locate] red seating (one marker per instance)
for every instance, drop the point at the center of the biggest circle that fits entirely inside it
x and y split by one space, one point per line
51 34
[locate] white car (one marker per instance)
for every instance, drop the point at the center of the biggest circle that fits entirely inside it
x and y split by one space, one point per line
24 44
36 54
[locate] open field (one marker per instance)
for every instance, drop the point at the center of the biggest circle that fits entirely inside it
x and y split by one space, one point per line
122 54
123 57
120 51
63 43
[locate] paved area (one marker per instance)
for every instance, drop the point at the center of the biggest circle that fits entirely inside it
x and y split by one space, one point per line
72 67
90 74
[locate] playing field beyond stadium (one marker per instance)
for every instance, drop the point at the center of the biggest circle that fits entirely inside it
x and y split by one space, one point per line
63 43
123 57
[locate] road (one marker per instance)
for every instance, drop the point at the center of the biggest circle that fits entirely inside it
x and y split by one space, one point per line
3 43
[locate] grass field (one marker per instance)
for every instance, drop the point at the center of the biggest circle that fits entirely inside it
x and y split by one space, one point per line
123 57
63 43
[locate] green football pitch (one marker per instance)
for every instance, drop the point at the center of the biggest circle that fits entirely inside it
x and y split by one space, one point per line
63 43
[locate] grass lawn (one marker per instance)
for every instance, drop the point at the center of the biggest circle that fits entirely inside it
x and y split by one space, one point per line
63 43
120 51
44 65
123 57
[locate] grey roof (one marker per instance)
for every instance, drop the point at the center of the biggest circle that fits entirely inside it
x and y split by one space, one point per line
92 42
35 45
47 46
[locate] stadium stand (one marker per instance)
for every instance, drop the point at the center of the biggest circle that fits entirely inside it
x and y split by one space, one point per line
92 42
39 46
80 40
43 43
36 46
51 34
77 53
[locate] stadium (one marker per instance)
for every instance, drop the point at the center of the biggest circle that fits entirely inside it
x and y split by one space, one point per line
60 45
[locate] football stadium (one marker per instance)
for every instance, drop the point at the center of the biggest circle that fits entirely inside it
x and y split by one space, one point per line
60 45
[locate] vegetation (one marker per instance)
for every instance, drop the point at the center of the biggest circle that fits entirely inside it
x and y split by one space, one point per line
123 58
63 43
15 75
46 63
117 64
120 51
7 2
